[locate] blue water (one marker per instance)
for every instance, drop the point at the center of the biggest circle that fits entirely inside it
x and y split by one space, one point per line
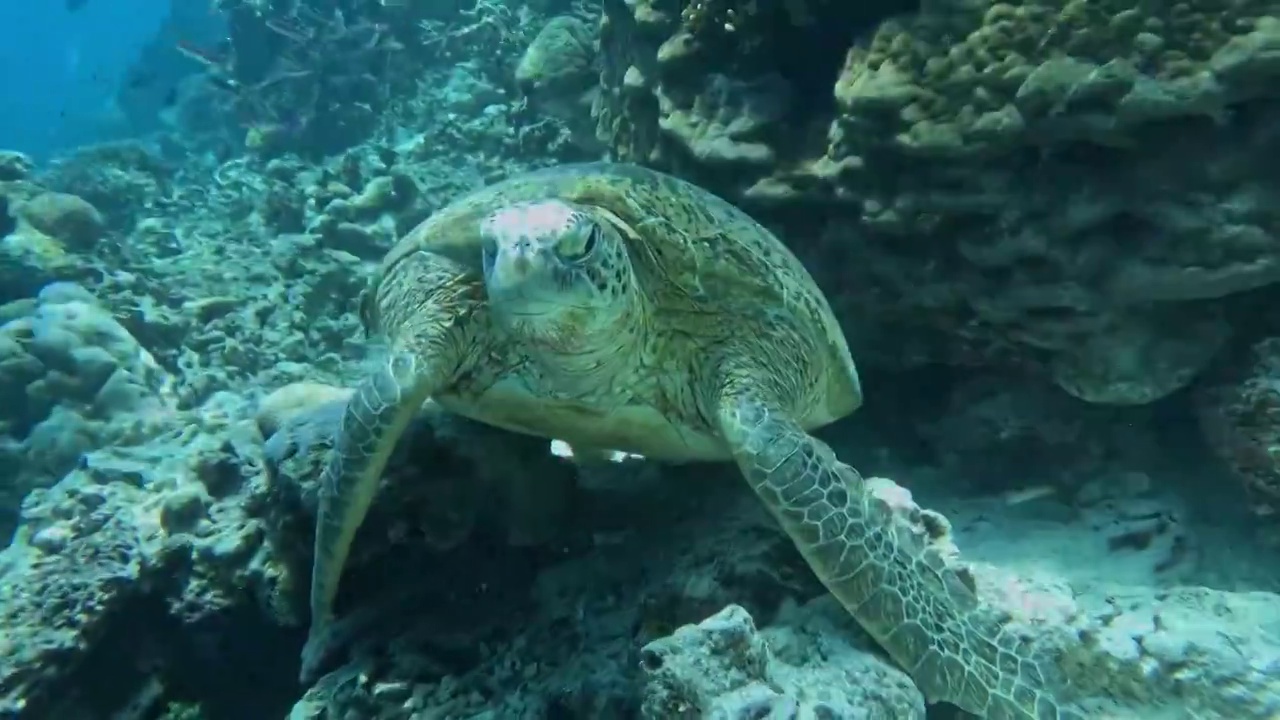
60 70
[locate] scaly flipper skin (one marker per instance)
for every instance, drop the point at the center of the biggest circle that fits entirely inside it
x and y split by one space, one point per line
428 354
375 417
919 610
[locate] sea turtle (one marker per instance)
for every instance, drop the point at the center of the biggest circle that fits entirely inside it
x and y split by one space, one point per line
619 309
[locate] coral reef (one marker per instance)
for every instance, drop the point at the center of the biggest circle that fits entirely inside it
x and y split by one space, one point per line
319 77
68 219
636 609
1031 216
989 166
130 549
41 232
723 667
72 380
1239 412
119 179
1046 71
558 74
14 166
560 61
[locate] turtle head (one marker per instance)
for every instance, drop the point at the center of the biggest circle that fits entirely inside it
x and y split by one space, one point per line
559 276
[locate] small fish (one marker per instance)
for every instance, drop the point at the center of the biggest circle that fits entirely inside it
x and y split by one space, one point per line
291 30
1017 497
224 83
74 5
200 55
214 60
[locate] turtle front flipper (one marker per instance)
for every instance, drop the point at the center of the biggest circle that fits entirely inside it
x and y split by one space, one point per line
916 607
375 417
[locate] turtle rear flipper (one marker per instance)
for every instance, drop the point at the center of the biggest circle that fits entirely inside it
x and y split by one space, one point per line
898 588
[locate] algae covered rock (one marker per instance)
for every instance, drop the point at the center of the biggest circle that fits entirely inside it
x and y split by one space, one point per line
282 407
725 668
133 555
72 380
1062 65
559 69
44 237
120 179
69 219
14 165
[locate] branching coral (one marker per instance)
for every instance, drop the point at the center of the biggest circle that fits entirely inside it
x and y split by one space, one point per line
309 78
487 23
317 76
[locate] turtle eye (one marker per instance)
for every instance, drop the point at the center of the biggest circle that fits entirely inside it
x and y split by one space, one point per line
577 246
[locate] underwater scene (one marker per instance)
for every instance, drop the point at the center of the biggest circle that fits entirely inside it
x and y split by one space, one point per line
640 360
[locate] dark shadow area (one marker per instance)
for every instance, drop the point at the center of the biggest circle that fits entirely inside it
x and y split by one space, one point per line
234 664
437 602
945 711
8 223
893 404
810 56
